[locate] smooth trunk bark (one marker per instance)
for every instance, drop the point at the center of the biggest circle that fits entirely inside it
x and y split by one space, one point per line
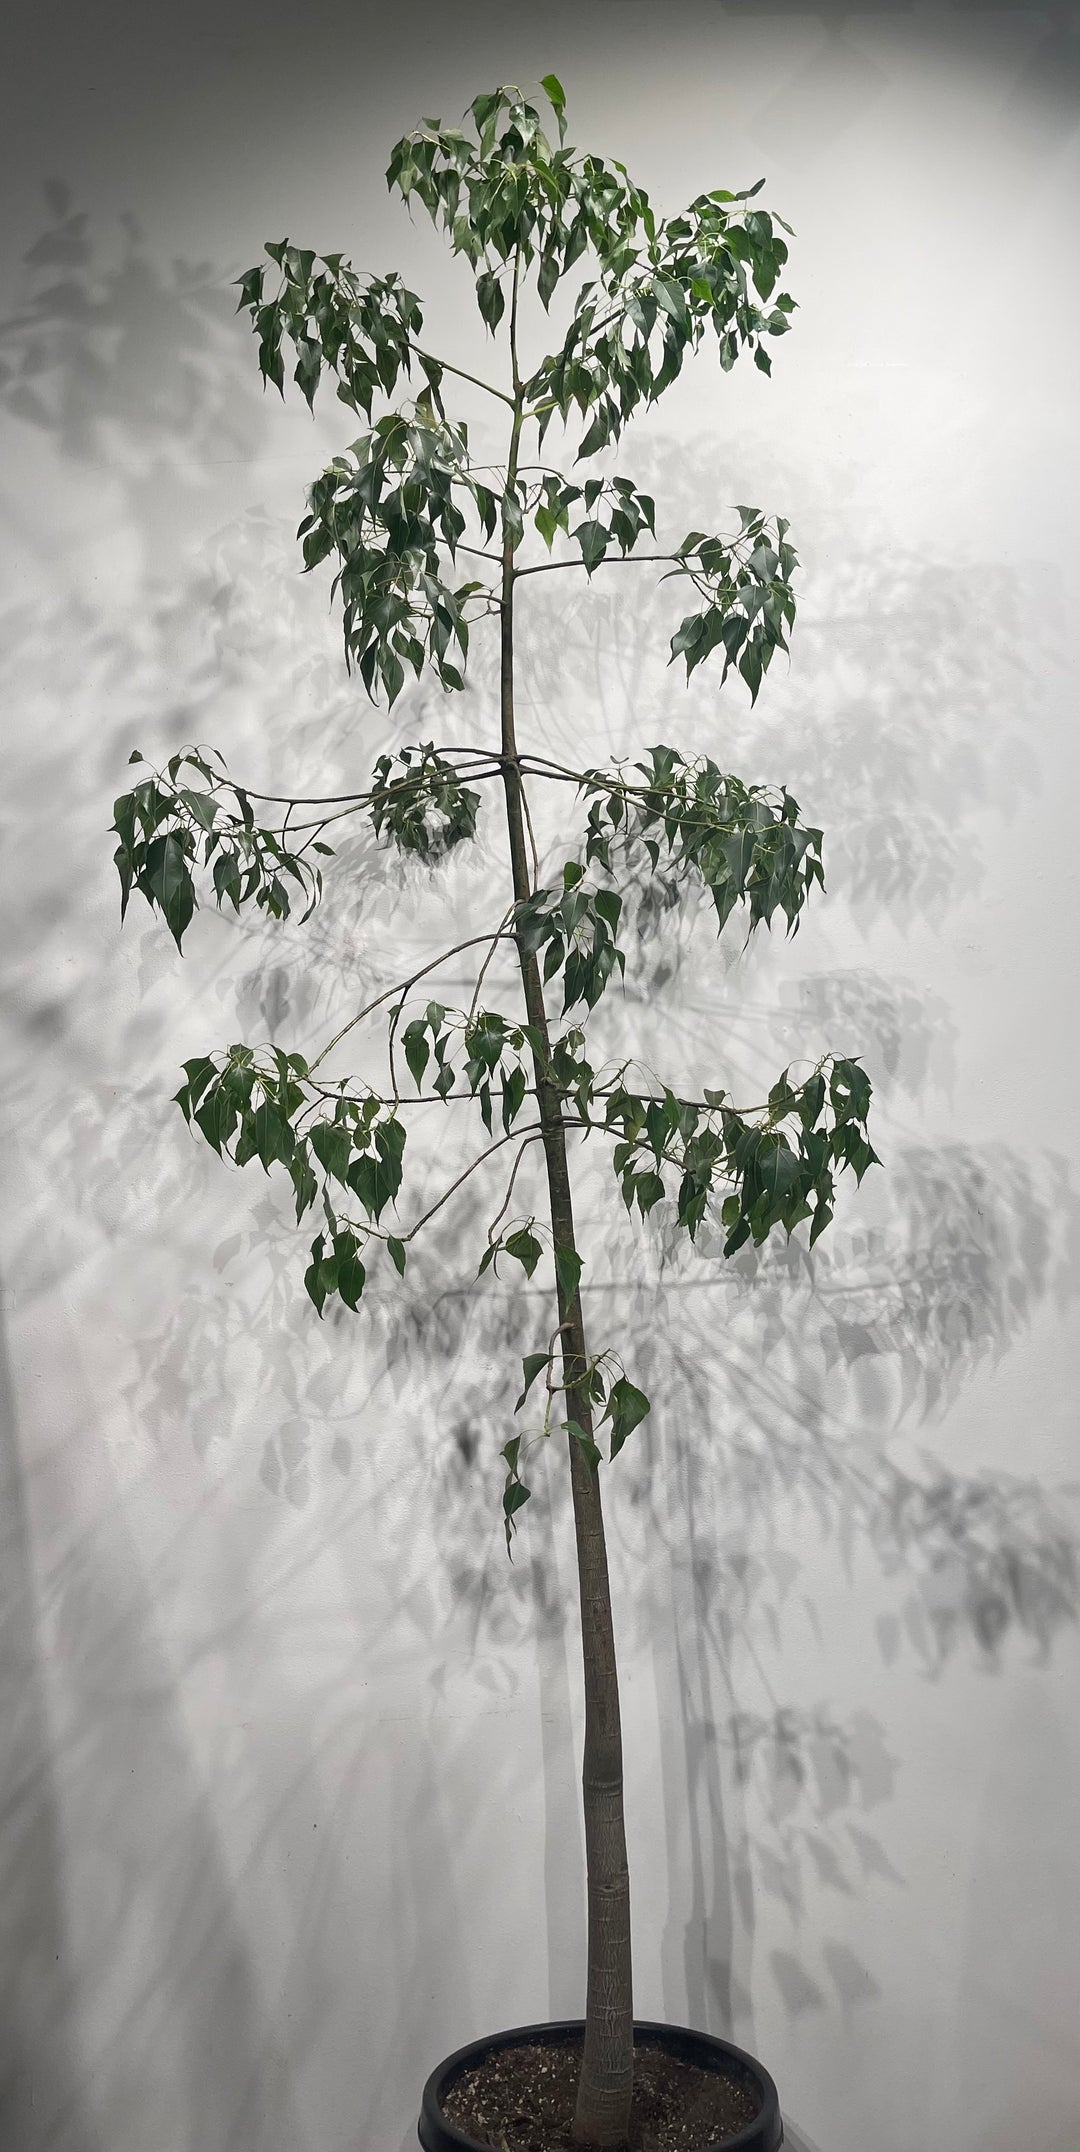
603 2102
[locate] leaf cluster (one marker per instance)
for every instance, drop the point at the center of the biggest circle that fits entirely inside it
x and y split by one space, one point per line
630 512
426 809
489 1039
502 188
361 328
745 841
250 1109
576 928
780 1163
747 588
621 1403
504 196
384 508
167 827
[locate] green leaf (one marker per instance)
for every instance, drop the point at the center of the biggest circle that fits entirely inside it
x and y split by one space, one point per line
513 521
373 1181
568 1272
198 1073
553 957
417 1050
170 880
272 1135
626 1408
332 1145
547 276
822 1218
490 299
592 537
530 1367
649 1191
216 1117
513 1095
849 1091
319 1275
609 905
514 1497
525 1248
350 1270
397 1253
304 1183
557 98
585 1444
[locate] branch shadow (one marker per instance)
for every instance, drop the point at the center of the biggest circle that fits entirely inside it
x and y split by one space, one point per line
827 1358
39 2060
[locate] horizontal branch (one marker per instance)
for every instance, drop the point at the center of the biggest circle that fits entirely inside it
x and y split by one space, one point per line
610 560
462 375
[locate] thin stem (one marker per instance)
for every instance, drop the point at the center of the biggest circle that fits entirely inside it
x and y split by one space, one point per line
501 1213
498 936
402 988
476 550
462 375
613 560
532 838
359 799
454 1185
515 400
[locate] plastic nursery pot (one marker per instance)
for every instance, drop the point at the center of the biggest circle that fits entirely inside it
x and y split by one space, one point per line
764 2134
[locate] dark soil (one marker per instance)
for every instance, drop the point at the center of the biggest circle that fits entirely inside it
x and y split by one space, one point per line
521 2099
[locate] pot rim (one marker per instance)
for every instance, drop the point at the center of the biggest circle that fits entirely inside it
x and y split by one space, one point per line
645 2030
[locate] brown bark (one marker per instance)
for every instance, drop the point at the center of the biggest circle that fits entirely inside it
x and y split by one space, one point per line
603 2101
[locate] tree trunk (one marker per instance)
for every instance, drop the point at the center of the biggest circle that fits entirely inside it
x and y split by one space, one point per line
603 2101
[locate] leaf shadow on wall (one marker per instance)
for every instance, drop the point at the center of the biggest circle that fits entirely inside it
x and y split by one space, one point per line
826 1359
39 2067
125 373
128 366
879 1330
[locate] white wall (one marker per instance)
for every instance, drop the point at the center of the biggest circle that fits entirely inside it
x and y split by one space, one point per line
291 1750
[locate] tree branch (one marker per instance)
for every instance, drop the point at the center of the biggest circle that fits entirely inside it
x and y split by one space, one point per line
612 560
402 988
462 375
477 551
454 1185
498 935
538 1131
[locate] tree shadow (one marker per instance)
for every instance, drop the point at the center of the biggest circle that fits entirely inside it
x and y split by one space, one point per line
39 2058
905 722
128 367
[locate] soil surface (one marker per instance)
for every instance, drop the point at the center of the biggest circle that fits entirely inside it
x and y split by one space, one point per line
521 2099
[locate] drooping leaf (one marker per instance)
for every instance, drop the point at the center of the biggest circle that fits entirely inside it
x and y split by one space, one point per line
626 1408
531 1366
568 1272
525 1248
169 877
585 1444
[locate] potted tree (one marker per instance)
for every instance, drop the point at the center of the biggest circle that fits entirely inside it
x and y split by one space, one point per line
426 542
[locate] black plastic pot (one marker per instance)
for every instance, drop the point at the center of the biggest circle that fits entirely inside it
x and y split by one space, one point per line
764 2134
